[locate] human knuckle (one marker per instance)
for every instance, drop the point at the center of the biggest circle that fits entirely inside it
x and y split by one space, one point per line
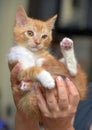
57 110
50 102
76 95
62 99
55 116
64 114
46 114
73 111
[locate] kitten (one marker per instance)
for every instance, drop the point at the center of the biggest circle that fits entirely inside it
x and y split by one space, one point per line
32 37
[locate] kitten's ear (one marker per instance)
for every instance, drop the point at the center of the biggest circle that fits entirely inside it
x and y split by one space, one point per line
21 17
51 22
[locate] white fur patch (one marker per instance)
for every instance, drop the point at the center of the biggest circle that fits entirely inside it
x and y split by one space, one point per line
40 62
23 86
46 79
62 60
69 58
70 61
22 55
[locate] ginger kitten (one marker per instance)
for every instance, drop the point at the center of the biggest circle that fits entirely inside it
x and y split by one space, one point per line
32 37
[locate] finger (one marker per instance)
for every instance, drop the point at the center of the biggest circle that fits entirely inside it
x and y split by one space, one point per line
14 73
62 93
74 95
51 101
41 102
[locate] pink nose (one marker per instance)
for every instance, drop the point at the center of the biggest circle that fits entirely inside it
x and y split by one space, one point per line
37 43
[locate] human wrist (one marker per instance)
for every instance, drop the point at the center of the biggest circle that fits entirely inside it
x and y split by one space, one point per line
69 128
25 123
59 124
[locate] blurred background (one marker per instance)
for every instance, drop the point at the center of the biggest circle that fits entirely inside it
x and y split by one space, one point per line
74 21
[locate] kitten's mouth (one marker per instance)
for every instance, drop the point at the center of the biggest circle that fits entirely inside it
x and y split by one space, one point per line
34 48
37 45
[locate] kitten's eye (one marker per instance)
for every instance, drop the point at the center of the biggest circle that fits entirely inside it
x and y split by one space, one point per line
30 33
44 36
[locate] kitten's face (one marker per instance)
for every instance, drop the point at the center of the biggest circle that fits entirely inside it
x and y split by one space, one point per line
32 34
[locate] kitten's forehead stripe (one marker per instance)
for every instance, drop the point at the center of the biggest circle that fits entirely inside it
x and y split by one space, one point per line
38 25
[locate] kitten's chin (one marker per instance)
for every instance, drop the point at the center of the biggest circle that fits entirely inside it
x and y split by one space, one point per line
34 49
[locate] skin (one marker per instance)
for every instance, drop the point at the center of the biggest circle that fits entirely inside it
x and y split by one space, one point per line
91 127
21 121
57 113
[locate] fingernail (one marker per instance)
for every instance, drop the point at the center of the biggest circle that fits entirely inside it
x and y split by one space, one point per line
59 78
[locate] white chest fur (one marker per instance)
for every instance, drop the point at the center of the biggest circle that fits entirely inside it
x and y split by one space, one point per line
24 56
40 61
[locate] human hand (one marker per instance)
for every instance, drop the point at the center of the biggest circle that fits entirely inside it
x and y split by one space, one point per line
58 113
21 121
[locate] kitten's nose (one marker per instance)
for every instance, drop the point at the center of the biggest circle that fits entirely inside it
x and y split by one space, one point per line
37 42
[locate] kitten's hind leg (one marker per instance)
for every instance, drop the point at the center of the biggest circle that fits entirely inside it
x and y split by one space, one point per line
67 50
36 74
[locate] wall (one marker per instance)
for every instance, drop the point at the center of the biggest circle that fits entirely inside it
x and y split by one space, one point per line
7 14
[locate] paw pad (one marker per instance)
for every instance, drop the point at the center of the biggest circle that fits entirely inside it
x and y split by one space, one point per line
66 44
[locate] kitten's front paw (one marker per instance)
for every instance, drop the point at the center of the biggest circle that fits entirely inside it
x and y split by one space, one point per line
46 79
66 44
